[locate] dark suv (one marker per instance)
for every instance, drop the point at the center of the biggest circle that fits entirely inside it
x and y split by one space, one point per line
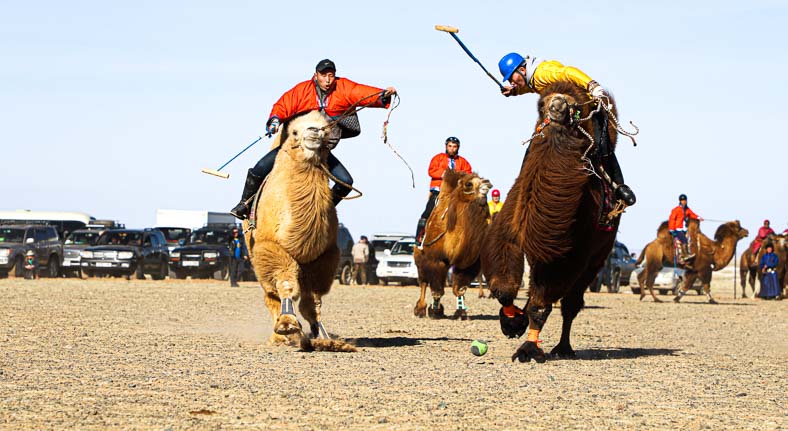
16 240
206 254
617 270
126 252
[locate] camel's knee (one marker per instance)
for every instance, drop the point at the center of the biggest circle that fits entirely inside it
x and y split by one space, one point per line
538 315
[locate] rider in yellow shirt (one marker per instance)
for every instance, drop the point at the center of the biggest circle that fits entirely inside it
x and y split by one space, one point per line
532 75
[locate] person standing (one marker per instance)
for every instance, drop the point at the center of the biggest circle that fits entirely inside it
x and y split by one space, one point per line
360 254
239 254
449 159
770 288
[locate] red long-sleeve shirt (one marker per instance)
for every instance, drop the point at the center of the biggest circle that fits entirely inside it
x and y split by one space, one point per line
303 98
440 163
678 217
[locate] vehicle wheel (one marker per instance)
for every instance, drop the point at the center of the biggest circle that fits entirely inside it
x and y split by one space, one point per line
345 275
664 291
86 273
53 270
596 285
384 281
615 282
222 274
178 275
19 267
162 272
635 290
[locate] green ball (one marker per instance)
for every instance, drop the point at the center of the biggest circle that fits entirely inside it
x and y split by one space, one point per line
478 347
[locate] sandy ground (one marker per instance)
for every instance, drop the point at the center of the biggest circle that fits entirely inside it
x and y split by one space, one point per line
119 354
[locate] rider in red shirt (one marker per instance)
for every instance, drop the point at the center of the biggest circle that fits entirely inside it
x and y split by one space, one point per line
450 159
331 95
763 233
677 225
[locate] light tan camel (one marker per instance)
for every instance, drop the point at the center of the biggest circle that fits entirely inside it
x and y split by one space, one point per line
453 237
710 255
294 246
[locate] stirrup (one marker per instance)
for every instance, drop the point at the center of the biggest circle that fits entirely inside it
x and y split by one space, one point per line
241 211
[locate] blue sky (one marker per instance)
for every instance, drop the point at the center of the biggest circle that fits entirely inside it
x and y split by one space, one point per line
112 108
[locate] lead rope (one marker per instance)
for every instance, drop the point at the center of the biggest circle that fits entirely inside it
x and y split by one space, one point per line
385 138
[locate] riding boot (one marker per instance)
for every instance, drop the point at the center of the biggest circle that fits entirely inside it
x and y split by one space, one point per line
420 229
623 191
685 253
241 211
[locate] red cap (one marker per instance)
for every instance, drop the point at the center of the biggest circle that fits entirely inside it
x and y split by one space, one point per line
496 193
766 221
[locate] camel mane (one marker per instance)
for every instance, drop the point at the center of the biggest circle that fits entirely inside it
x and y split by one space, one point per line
555 181
728 230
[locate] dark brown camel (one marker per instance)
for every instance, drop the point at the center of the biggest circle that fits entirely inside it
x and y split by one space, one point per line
453 237
552 216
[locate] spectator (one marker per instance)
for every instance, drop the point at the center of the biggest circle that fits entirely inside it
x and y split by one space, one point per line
770 288
360 258
238 257
31 265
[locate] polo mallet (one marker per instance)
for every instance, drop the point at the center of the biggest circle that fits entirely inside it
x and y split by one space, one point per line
217 172
453 32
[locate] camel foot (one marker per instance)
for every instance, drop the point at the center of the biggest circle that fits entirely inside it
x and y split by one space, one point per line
529 350
278 340
657 300
287 324
642 296
677 299
743 296
319 331
713 301
514 324
436 313
420 311
461 314
564 351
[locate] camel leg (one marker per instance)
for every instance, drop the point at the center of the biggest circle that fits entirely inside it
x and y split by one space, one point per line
421 305
689 278
706 280
570 306
537 309
274 306
503 263
460 285
751 280
743 273
481 286
437 287
316 279
646 279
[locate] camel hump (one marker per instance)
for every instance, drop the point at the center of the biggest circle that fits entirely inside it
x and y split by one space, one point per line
451 178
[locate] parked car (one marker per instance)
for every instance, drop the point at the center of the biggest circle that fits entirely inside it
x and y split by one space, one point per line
345 243
206 254
77 241
16 240
385 241
127 252
398 265
668 281
617 270
175 236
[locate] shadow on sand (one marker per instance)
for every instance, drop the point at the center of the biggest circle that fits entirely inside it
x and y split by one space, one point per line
622 353
398 341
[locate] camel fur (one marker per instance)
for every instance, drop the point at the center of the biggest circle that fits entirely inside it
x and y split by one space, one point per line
453 237
294 246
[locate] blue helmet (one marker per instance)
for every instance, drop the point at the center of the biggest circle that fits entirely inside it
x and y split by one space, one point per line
509 63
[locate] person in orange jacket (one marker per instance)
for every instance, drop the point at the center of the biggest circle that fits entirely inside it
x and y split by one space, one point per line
450 159
677 225
331 95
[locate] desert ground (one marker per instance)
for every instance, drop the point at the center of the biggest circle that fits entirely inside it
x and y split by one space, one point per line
117 354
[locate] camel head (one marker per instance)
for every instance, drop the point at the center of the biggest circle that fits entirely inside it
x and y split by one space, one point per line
731 229
305 137
559 108
467 187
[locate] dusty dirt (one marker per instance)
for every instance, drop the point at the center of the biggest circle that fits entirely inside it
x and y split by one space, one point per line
119 354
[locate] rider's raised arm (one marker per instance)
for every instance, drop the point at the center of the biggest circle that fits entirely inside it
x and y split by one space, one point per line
294 101
364 95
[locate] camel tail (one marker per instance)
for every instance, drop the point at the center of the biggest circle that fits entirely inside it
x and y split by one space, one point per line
323 345
642 255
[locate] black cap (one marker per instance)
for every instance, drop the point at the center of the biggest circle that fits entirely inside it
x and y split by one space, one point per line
453 140
324 65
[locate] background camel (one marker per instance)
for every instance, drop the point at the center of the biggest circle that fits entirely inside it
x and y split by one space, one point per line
551 215
453 237
750 263
710 255
294 246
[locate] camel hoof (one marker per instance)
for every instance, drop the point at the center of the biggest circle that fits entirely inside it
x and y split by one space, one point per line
564 352
529 350
287 324
436 313
461 314
677 299
658 300
642 296
420 311
277 340
712 301
513 327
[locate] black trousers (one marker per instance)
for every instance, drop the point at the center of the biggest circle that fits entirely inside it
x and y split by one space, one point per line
430 205
237 267
337 169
